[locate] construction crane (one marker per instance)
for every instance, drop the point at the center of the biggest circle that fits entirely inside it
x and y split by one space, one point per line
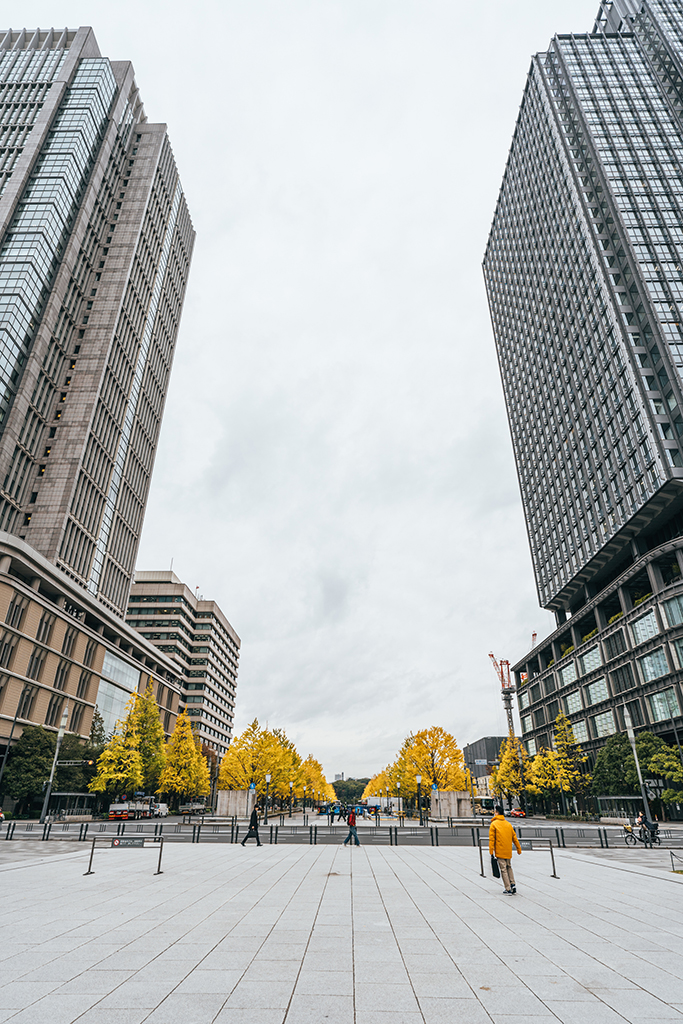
502 670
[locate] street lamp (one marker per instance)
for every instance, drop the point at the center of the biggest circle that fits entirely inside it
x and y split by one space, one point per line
60 737
398 799
418 779
290 798
628 722
304 799
265 817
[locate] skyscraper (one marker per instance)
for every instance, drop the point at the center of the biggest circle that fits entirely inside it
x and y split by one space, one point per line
95 247
584 273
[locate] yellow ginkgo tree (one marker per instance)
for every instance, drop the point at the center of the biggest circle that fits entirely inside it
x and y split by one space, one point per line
186 773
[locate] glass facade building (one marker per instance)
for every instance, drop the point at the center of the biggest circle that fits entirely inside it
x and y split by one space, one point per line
95 249
584 274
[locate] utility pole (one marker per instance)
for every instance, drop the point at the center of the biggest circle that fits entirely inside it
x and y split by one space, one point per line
60 737
632 740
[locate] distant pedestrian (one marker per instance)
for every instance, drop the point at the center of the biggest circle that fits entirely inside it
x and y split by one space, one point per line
253 829
353 834
501 837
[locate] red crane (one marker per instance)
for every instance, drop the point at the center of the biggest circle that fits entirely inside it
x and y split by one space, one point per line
502 670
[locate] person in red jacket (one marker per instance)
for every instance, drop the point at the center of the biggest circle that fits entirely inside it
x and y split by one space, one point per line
353 834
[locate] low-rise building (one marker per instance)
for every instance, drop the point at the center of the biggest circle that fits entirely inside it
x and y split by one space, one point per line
202 644
59 644
481 757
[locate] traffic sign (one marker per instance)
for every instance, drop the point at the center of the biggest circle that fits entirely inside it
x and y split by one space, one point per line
479 761
128 842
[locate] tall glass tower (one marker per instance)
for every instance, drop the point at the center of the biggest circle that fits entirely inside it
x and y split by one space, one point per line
584 273
95 249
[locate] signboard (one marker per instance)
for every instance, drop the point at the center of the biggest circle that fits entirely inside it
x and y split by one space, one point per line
433 785
252 785
128 842
478 760
525 844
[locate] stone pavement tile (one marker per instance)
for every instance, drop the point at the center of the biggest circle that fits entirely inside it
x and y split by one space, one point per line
323 961
453 1011
279 951
272 970
488 975
94 981
521 966
659 983
595 1012
113 1016
56 1009
125 961
426 964
595 976
162 970
137 993
370 972
557 987
218 960
518 1001
19 994
451 985
187 1009
314 1009
389 997
265 995
387 1017
636 1006
329 983
506 1018
209 981
232 1015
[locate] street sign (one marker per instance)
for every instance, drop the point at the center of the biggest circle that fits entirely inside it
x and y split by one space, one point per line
525 844
478 760
128 842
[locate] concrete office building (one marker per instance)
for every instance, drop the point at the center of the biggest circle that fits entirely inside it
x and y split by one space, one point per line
201 643
585 282
95 247
481 757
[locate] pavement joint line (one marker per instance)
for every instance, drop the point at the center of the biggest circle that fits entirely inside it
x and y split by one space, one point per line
393 932
467 925
601 938
176 913
310 934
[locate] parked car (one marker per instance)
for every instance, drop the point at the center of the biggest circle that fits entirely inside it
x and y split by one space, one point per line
161 810
517 812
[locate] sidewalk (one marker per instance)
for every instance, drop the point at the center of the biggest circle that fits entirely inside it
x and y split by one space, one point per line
332 935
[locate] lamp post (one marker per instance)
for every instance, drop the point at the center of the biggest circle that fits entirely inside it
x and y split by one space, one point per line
27 688
304 799
398 798
265 816
671 710
291 785
632 740
418 779
60 737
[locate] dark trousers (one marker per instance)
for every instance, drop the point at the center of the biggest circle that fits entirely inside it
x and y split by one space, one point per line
252 834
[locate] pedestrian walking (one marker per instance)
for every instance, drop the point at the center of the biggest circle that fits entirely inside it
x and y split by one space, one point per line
353 834
253 829
501 837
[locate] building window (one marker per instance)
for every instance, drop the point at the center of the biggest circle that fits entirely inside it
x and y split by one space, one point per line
615 644
550 684
673 610
526 723
16 611
54 709
590 660
604 724
636 713
167 721
61 675
76 717
553 710
568 674
45 628
580 730
89 655
69 640
644 628
8 645
573 702
83 684
120 671
654 665
531 748
539 718
622 678
35 663
523 700
27 701
664 705
597 691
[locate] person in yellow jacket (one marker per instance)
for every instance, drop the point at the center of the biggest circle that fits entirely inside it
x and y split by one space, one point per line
501 837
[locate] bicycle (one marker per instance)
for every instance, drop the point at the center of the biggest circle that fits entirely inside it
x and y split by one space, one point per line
647 836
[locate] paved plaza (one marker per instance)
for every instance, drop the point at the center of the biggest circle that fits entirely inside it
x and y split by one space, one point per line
334 935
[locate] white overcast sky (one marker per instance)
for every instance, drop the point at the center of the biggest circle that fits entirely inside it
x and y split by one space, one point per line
335 466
